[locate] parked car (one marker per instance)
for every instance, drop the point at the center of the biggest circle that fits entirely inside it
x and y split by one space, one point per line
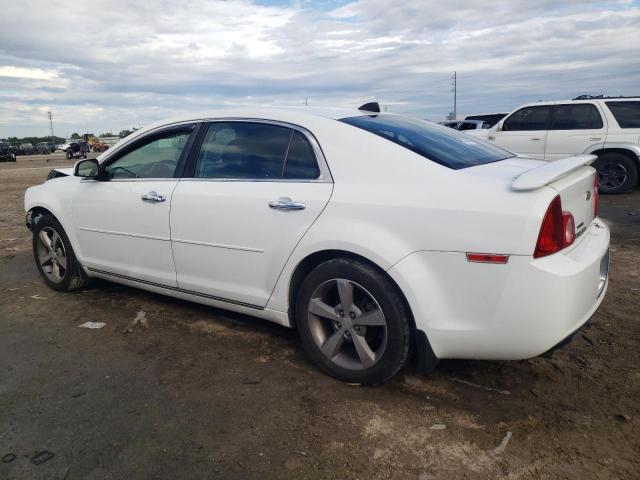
465 124
371 233
6 153
25 149
44 148
490 118
77 150
65 146
607 127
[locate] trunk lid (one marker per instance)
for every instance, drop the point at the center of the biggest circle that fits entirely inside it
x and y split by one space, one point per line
578 196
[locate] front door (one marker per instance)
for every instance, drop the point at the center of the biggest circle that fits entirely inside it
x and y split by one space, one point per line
524 131
256 188
122 217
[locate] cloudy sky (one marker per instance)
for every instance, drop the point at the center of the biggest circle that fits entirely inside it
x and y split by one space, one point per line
109 65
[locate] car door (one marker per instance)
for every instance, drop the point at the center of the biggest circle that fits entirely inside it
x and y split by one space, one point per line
575 128
122 216
256 188
524 131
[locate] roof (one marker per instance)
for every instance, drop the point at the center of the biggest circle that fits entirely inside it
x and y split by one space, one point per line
302 116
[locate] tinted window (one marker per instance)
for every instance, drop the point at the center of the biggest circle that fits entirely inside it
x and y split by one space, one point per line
528 118
467 126
627 114
157 158
576 116
300 161
435 142
243 150
491 118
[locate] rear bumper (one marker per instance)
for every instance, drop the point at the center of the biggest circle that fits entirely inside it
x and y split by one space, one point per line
513 311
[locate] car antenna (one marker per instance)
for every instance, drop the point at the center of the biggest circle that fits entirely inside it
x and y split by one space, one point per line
370 107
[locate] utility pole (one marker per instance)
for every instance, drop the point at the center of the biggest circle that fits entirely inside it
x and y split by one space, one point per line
306 103
50 115
455 95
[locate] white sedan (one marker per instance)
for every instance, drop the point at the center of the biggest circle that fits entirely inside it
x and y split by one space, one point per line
371 233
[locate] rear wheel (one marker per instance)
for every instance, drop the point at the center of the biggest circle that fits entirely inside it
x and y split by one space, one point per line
54 256
617 173
353 322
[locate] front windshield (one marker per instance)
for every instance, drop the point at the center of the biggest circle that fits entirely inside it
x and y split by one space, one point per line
440 144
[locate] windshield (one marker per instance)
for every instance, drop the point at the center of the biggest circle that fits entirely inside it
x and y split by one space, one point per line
440 144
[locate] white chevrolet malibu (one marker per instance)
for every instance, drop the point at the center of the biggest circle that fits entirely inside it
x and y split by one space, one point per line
373 234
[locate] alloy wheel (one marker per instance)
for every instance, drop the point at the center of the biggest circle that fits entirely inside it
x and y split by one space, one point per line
611 175
52 255
347 324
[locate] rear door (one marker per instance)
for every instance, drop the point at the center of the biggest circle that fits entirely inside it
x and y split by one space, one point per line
255 189
525 131
575 128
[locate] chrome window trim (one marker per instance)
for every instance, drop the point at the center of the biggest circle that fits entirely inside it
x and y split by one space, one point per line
325 173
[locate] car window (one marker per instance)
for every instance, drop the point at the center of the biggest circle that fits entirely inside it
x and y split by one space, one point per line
627 114
256 151
439 144
301 161
528 118
467 126
156 158
576 116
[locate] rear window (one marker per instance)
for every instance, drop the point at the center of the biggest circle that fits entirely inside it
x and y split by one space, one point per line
627 114
442 145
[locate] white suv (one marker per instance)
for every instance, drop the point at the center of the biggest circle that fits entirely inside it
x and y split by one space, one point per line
608 127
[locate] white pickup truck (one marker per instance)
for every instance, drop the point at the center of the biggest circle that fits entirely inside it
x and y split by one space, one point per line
608 127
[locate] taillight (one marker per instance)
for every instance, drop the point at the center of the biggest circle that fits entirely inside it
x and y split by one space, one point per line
558 230
595 195
568 229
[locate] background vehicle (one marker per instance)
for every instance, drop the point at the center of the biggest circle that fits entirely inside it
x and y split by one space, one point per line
77 150
65 145
44 148
490 118
608 127
465 124
25 149
6 153
368 232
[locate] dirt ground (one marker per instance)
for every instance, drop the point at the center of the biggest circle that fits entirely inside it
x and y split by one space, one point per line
203 393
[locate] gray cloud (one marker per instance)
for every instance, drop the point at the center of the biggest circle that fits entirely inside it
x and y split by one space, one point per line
146 60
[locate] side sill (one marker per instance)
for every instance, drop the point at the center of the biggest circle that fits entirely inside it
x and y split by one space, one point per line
176 289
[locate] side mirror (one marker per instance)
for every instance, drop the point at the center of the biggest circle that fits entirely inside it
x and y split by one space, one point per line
86 168
499 126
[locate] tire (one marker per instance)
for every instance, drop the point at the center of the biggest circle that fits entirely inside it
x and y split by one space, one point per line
68 279
376 301
617 173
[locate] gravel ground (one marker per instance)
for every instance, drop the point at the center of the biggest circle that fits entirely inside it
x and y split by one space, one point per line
203 393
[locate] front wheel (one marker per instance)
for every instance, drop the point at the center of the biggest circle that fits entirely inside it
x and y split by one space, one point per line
617 173
353 321
54 256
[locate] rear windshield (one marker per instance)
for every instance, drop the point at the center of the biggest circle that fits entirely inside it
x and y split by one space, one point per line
440 144
627 113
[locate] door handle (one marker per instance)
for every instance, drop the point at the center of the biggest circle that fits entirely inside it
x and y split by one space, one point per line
153 197
285 203
595 139
536 139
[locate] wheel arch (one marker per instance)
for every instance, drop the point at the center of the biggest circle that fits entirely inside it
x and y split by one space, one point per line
420 345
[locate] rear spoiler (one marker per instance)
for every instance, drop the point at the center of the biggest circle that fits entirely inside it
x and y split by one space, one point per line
550 172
